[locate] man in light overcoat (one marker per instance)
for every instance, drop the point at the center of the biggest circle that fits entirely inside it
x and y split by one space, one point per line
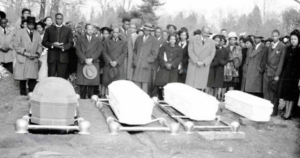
201 51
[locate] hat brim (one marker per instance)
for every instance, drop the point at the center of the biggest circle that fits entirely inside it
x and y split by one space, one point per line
232 37
258 36
147 28
91 67
2 14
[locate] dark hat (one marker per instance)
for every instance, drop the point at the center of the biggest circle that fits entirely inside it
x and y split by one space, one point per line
2 15
90 71
31 20
257 35
273 85
296 32
41 23
269 40
171 25
113 73
105 29
148 26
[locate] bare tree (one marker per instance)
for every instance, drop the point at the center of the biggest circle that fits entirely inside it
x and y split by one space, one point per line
42 9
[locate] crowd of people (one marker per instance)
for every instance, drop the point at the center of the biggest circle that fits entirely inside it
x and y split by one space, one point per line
152 57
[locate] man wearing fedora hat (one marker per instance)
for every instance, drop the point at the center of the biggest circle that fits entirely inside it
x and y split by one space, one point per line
144 54
114 54
28 47
255 67
88 50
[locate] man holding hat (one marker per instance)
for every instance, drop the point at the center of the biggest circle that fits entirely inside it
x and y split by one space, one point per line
88 50
273 60
144 54
28 47
114 54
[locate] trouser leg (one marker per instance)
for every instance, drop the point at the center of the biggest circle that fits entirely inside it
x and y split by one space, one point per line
31 84
23 90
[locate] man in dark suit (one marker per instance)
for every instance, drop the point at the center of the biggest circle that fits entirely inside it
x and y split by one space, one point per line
58 39
124 29
273 61
88 50
144 54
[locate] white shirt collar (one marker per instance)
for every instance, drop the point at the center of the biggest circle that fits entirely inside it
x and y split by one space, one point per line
257 45
159 38
145 37
182 44
202 38
28 30
275 44
88 36
58 25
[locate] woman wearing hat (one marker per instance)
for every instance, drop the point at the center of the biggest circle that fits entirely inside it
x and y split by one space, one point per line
231 78
171 28
216 71
169 57
105 35
291 75
28 47
43 70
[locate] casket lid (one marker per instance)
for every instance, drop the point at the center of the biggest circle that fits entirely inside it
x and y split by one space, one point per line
249 99
54 90
189 93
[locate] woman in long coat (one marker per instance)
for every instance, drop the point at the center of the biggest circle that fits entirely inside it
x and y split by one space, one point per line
183 66
169 57
216 71
115 50
88 50
291 75
199 51
253 69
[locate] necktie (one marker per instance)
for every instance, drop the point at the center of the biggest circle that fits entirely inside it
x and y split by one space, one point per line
89 38
4 30
203 42
31 35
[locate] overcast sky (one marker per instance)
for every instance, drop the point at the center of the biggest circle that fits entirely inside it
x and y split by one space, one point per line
210 7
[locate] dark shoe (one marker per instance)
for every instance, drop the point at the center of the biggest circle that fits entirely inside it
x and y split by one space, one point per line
274 114
286 118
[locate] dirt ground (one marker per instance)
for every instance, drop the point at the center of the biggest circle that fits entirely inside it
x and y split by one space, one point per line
276 138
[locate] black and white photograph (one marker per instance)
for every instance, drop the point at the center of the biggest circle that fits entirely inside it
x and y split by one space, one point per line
149 78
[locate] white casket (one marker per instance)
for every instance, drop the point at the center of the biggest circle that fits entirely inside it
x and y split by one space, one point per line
249 106
191 102
130 103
